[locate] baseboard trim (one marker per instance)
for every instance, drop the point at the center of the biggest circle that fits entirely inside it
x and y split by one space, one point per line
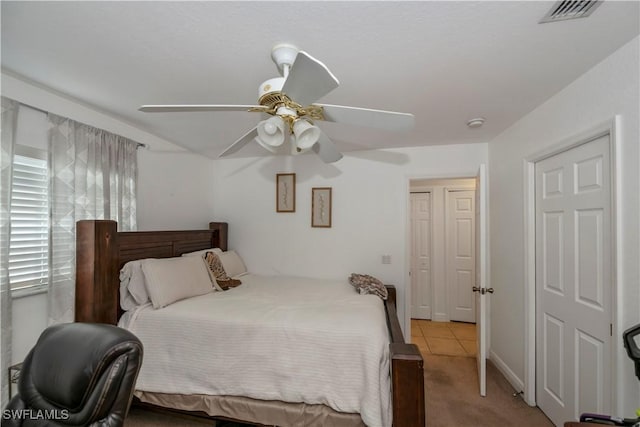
513 379
439 317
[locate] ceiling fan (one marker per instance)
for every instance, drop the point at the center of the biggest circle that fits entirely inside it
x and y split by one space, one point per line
289 101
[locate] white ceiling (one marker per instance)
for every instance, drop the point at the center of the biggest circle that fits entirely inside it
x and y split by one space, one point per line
445 62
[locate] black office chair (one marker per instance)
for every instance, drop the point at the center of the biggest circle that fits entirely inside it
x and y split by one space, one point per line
80 374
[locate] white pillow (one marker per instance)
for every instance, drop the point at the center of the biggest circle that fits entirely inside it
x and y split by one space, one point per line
126 299
216 251
232 263
173 279
133 289
137 284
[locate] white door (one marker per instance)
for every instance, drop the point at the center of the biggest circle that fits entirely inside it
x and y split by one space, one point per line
460 247
421 255
573 282
481 290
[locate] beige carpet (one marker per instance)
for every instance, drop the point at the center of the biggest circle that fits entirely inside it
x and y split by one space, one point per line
453 398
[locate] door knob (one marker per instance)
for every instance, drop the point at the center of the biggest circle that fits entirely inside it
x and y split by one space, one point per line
482 290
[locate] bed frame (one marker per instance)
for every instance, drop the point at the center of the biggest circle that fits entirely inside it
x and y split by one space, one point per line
101 251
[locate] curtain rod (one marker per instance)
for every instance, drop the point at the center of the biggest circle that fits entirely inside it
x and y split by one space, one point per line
138 146
32 107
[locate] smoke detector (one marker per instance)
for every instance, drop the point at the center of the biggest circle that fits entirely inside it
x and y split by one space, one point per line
475 123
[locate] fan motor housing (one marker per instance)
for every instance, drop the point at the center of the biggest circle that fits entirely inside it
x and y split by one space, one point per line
271 85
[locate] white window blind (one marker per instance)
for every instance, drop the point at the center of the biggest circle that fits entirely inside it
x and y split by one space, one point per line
29 245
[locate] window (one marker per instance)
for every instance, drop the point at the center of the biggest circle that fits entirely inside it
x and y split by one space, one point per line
29 244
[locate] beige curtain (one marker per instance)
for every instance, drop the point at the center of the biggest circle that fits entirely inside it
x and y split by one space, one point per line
93 176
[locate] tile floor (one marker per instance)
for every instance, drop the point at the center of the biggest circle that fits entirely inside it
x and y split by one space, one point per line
444 338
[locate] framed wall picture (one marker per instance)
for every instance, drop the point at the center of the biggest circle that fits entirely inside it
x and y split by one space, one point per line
286 192
321 207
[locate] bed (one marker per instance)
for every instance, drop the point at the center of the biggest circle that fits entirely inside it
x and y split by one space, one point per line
101 253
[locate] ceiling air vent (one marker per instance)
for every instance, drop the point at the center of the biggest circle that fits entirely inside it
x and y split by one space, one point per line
570 9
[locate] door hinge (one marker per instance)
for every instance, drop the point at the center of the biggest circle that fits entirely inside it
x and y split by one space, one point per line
610 329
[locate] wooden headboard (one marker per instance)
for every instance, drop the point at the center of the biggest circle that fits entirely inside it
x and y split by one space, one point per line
101 251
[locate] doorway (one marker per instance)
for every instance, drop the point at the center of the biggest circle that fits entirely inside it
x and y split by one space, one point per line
442 258
463 209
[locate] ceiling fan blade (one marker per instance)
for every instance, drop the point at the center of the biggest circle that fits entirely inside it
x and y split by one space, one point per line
308 80
191 108
386 120
326 149
244 140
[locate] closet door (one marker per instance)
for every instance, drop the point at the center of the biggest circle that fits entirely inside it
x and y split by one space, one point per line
421 289
460 250
574 282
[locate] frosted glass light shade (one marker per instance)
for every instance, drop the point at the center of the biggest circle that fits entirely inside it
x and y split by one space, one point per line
306 134
271 133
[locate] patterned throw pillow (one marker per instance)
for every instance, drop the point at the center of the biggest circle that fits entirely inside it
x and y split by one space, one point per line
366 284
218 276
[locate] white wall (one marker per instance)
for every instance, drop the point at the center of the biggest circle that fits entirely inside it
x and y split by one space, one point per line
610 88
175 191
370 210
168 180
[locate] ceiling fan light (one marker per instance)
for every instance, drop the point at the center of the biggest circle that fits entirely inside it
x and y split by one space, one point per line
306 134
270 128
271 132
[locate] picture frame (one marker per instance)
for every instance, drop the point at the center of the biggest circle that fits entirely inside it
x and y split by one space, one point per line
286 192
321 206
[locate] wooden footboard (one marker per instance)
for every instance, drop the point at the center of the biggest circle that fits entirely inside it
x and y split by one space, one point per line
101 251
407 372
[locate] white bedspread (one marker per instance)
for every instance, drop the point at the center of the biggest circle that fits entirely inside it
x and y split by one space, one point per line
272 338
